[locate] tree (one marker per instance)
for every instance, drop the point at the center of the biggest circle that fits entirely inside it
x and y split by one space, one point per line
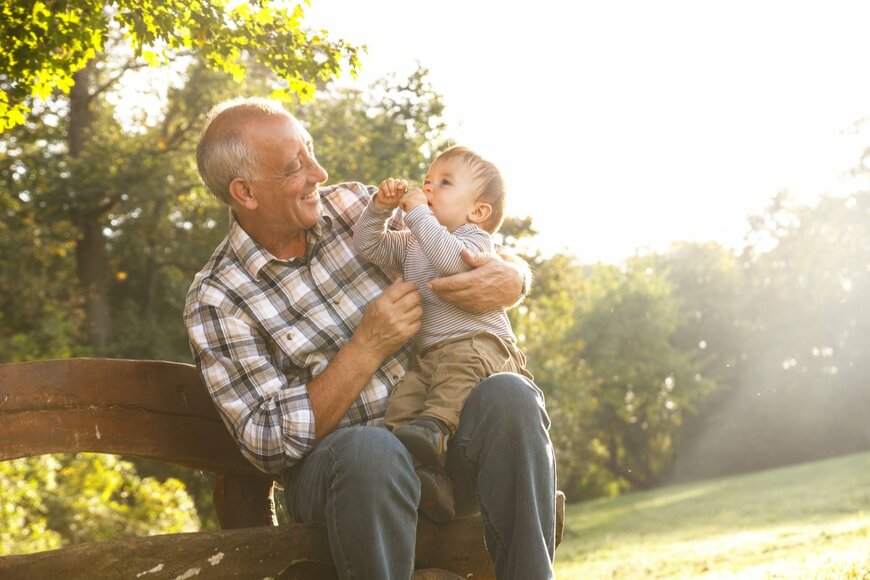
53 501
709 285
645 384
75 210
799 391
40 310
61 46
392 129
802 392
612 349
544 326
48 46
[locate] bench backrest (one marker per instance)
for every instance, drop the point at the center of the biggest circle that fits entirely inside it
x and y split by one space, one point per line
154 409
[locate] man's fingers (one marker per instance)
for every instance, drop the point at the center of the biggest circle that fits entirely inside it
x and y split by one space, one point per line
474 259
407 302
451 283
410 319
398 289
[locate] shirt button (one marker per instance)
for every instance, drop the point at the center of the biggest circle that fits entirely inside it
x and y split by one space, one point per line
289 336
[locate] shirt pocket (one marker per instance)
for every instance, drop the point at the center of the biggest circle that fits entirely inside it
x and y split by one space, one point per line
302 351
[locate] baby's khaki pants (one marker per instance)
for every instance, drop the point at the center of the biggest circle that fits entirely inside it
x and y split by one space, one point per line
442 377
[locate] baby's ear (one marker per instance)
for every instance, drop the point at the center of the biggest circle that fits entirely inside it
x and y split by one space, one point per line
479 213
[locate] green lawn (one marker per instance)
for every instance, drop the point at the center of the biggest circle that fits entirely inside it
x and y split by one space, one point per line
809 521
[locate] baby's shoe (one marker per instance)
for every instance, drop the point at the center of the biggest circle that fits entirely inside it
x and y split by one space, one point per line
436 495
426 438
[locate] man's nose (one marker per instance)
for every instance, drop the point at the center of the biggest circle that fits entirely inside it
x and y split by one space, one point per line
317 174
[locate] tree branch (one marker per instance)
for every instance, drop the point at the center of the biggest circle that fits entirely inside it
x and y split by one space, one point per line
131 64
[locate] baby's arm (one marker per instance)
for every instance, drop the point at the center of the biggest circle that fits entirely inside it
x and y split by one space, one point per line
442 247
371 238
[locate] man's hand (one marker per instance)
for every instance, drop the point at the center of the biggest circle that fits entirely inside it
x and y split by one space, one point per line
493 283
389 193
412 199
389 321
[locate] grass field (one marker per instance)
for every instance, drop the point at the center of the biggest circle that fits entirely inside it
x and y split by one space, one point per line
809 521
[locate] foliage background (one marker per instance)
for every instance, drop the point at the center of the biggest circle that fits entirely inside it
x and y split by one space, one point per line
695 362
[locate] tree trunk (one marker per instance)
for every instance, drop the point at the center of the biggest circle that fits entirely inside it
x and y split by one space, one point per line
80 116
152 252
91 269
91 260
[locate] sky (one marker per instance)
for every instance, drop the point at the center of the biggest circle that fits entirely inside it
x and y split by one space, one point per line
622 126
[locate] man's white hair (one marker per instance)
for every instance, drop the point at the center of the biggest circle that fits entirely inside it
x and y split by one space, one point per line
223 154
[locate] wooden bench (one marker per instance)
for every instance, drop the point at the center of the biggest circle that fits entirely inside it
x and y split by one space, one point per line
161 410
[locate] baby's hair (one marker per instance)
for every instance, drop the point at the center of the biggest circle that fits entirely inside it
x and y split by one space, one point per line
487 180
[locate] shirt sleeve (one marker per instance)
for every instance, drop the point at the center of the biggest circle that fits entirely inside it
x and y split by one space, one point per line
442 247
375 242
269 414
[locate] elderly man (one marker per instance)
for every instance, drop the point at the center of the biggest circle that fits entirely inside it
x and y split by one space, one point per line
300 343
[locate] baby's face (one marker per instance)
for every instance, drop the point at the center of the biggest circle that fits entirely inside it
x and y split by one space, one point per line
450 192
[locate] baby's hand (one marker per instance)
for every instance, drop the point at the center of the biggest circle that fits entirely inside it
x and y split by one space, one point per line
412 199
389 193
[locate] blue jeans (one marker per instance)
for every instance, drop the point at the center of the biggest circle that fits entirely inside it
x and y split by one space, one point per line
360 482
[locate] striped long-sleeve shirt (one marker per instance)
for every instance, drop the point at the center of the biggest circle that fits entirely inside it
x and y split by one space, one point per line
423 251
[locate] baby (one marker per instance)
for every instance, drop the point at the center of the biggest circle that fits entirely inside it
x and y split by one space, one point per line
460 206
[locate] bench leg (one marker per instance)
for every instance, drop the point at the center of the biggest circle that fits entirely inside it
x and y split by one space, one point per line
435 574
243 501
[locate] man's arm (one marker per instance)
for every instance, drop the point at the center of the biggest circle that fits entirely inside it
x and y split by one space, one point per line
387 324
499 280
276 418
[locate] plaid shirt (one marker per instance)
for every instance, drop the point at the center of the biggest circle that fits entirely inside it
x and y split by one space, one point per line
261 328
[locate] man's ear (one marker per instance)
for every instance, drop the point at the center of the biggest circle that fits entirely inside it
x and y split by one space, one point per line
479 213
241 193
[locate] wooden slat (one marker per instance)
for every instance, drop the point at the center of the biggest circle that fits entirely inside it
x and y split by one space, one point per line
246 553
188 440
78 382
457 546
297 551
152 409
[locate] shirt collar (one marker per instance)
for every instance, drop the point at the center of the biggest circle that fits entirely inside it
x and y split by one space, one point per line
254 257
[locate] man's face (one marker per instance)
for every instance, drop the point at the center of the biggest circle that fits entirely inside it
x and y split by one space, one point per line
286 178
